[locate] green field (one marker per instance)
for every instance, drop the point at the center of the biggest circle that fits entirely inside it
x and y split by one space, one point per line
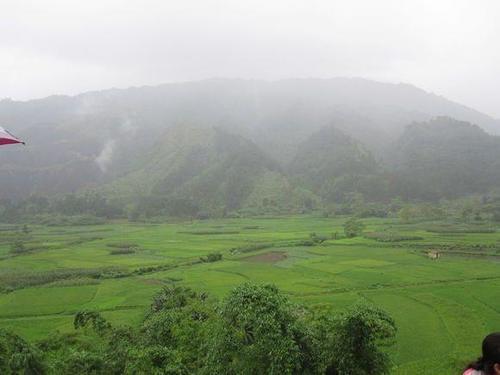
442 307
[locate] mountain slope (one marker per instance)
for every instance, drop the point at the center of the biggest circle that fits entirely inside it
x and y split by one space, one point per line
333 164
446 158
107 133
198 170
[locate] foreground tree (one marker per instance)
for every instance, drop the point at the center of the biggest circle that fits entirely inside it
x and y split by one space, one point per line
351 342
17 356
260 332
255 330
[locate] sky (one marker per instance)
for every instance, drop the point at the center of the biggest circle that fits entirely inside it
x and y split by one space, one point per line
448 47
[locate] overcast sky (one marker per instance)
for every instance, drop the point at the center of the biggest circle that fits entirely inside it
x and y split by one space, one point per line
449 47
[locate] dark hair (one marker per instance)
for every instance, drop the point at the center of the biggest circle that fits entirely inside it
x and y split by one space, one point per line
491 354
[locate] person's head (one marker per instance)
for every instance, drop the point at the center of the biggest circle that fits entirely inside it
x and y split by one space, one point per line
490 361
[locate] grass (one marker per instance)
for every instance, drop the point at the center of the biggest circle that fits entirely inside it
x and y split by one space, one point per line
443 308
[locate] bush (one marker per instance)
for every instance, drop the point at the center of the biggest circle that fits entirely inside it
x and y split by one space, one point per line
123 245
17 280
210 232
391 237
213 257
60 220
122 251
317 239
464 228
17 356
250 248
353 227
18 248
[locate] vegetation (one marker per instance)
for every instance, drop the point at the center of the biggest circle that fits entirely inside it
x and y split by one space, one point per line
321 277
319 223
201 173
256 329
255 239
18 357
353 227
212 257
392 237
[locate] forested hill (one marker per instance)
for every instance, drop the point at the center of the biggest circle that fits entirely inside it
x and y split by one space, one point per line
446 158
253 142
201 171
331 164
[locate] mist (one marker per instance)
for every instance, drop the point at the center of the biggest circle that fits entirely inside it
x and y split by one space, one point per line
68 47
249 187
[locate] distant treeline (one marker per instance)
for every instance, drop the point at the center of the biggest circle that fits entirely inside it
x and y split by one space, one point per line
85 208
94 208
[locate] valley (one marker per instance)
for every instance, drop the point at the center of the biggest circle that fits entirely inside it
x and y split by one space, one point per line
442 307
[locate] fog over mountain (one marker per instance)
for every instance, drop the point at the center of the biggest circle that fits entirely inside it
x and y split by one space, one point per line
102 139
68 47
249 187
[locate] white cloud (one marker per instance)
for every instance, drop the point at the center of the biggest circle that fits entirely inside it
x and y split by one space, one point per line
447 46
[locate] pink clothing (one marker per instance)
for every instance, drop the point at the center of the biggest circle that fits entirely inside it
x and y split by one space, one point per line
471 371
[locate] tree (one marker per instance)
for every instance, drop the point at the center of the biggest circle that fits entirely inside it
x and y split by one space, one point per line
18 247
17 356
175 333
351 342
259 332
353 227
496 214
317 239
255 330
98 323
212 257
405 214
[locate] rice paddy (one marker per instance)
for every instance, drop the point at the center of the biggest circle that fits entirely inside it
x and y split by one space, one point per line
443 307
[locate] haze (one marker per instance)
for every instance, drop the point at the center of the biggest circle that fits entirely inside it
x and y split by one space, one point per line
67 47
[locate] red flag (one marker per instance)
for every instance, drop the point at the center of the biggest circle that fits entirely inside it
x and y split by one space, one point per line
8 139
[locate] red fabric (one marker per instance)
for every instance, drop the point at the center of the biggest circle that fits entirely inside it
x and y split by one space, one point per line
7 139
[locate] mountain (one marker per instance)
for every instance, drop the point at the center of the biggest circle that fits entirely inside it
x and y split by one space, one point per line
446 158
331 163
98 138
191 170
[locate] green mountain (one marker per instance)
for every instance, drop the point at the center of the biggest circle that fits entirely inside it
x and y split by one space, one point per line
194 170
446 158
272 140
332 164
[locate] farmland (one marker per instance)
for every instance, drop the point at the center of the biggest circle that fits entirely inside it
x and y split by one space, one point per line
442 307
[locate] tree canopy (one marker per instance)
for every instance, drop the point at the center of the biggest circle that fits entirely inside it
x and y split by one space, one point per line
256 329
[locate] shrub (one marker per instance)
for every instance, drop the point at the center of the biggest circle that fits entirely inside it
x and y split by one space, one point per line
17 356
252 247
353 227
17 280
18 248
391 237
212 257
317 239
122 251
449 228
210 232
122 245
